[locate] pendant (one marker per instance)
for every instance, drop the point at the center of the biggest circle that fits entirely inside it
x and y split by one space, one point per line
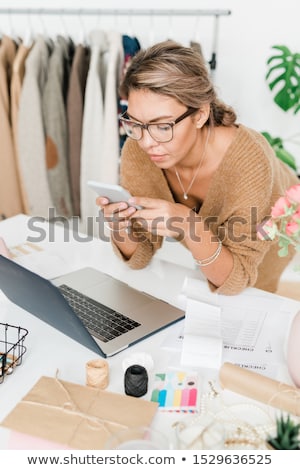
185 197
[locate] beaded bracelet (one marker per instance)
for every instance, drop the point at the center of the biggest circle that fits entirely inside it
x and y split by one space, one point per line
210 259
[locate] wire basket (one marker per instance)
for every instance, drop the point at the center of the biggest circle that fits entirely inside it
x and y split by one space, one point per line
12 348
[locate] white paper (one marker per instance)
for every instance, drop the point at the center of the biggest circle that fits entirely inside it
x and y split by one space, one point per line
201 352
254 326
196 289
202 339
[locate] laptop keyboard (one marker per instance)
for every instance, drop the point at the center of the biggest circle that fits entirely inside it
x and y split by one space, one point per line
102 321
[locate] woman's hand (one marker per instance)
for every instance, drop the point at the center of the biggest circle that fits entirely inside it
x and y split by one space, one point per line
116 215
160 217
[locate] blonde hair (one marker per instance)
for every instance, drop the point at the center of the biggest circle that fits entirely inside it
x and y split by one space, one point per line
171 69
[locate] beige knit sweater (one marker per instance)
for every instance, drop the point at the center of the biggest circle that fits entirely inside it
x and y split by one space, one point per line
245 186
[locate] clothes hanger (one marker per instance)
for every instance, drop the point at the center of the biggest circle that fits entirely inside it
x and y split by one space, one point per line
82 36
42 23
11 30
63 26
44 32
116 20
98 25
28 35
195 43
213 60
151 29
64 30
129 24
170 26
196 35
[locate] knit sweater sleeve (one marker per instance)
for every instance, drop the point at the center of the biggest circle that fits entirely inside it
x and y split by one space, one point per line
141 178
246 186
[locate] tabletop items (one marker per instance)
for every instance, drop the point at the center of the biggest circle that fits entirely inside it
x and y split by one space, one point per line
97 373
76 416
258 387
177 391
12 348
39 394
136 381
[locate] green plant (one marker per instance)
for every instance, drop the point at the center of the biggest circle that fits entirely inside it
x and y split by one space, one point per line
281 152
287 435
284 70
283 78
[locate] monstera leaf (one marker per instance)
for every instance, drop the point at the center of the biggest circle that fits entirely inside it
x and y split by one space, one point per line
281 152
284 71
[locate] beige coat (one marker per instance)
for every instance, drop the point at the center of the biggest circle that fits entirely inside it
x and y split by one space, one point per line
10 192
31 133
18 73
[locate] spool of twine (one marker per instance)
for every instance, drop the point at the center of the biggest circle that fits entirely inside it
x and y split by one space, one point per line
136 381
97 373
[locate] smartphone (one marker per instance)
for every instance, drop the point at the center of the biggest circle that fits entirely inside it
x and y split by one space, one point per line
113 192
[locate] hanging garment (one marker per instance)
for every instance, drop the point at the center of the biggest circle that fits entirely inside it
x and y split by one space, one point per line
196 46
110 151
131 46
75 103
17 78
31 138
92 131
55 122
10 192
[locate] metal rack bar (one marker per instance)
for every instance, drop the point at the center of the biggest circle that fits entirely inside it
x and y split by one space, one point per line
216 13
112 12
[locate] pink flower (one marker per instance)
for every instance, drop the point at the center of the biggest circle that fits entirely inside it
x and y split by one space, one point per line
280 206
296 215
291 228
267 230
284 223
293 193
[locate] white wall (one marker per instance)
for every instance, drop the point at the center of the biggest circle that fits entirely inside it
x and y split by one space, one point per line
244 43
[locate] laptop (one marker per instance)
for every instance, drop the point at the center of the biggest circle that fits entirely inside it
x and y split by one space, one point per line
96 310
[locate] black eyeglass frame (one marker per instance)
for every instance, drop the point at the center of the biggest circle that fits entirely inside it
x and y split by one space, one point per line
187 113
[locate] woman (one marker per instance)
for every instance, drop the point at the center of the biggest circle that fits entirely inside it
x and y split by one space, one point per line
195 174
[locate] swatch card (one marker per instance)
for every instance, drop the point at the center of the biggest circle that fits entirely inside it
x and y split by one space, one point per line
176 391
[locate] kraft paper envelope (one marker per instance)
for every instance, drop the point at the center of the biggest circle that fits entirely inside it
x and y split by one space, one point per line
77 416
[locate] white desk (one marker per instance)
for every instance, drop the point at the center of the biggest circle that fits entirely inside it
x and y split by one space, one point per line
49 350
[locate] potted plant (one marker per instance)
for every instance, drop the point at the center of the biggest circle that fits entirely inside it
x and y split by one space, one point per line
287 435
283 78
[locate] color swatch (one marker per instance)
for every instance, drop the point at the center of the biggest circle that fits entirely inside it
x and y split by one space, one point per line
176 391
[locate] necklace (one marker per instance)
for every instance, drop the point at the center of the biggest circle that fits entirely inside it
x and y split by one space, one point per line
185 192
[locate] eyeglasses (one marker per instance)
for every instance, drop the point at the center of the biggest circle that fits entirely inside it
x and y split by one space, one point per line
160 132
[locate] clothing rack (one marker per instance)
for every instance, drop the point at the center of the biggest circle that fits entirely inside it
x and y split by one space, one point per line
216 13
112 12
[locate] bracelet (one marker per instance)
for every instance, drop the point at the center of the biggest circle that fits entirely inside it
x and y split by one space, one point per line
210 259
114 230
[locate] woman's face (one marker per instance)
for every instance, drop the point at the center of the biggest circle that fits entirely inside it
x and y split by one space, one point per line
144 107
